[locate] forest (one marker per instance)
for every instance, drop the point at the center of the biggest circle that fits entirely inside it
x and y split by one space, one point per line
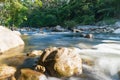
49 13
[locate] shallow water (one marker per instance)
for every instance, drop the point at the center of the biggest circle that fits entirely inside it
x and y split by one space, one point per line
10 53
104 50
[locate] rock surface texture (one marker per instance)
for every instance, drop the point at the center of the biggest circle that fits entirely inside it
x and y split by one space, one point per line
61 62
9 39
28 74
6 72
35 53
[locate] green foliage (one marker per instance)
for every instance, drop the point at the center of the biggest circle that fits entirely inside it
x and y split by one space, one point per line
15 13
107 21
86 19
51 20
39 13
70 24
38 3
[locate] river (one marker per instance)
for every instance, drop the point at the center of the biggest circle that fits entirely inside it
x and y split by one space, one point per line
104 49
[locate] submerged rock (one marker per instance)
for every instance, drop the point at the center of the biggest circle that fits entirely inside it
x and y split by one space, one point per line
61 61
9 39
7 72
15 60
89 36
88 61
28 74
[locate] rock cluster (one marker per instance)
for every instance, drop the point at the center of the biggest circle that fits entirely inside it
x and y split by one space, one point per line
57 62
61 62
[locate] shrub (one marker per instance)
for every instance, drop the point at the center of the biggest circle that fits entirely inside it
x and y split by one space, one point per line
70 24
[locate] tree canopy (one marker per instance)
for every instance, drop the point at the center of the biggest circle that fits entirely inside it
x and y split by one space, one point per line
41 13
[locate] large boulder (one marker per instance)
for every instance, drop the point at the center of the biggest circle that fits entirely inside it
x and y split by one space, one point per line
17 33
28 74
7 72
61 62
58 28
9 39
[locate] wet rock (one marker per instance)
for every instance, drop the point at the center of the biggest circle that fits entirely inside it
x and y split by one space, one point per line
28 74
7 72
40 68
9 39
89 36
88 61
35 53
82 35
61 61
77 31
58 28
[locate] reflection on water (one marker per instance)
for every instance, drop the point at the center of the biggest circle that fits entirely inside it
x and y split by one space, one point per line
12 52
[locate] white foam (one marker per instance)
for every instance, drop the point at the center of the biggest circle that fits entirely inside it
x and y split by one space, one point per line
84 46
117 31
53 78
110 41
107 46
102 49
106 57
109 65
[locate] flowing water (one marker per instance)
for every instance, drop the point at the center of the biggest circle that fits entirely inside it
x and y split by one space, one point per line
104 49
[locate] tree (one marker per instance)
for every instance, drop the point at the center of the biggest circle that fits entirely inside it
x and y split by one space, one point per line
15 12
38 13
